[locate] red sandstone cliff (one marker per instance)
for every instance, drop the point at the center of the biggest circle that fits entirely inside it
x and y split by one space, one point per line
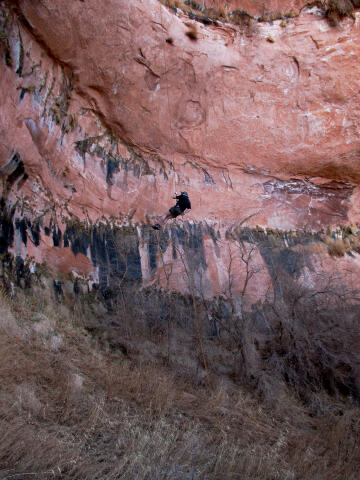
108 107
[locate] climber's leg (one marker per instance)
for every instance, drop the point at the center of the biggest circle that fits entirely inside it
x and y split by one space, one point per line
172 213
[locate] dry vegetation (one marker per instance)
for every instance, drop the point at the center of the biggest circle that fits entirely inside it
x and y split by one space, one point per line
192 32
221 13
73 408
344 241
336 247
334 10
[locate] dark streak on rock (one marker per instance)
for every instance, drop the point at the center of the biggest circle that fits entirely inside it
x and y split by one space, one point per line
34 229
21 225
115 251
208 179
190 238
112 166
6 227
15 175
56 236
280 261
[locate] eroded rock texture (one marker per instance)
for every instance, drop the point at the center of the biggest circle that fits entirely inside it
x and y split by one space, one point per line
108 107
256 7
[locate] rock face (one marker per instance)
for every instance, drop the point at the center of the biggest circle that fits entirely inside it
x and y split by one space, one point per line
109 107
257 7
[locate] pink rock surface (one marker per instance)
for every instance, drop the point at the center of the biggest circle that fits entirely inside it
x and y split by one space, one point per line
260 126
264 124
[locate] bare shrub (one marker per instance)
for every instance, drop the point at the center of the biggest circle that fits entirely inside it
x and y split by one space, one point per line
338 9
315 345
308 339
355 243
271 16
241 18
337 247
168 385
303 336
83 412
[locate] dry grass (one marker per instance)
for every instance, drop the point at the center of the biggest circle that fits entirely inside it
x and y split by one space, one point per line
355 243
180 4
173 3
348 242
240 18
71 410
220 13
192 31
271 16
316 247
336 10
338 247
223 11
75 412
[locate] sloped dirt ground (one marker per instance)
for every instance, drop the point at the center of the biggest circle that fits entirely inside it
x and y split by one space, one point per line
71 407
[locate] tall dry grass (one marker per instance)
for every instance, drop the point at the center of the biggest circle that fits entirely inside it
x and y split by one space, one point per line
69 409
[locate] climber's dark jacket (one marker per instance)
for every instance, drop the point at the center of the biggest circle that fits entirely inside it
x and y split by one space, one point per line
182 204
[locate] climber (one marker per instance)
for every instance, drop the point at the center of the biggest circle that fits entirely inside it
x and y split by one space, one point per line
183 203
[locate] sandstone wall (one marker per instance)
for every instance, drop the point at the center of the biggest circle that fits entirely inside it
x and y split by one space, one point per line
108 107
